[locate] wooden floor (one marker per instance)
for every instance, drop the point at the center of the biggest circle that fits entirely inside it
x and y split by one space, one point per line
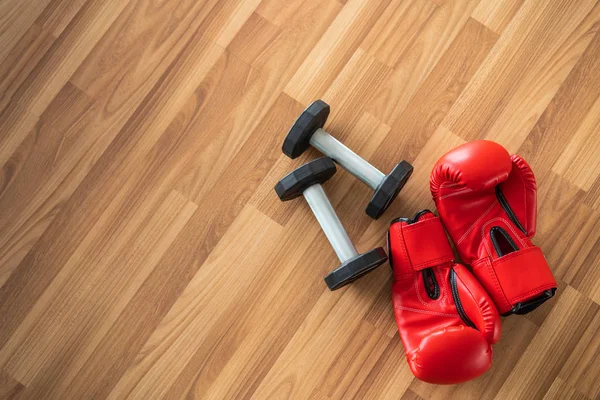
144 253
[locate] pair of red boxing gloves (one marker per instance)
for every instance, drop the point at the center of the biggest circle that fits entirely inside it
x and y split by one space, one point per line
449 315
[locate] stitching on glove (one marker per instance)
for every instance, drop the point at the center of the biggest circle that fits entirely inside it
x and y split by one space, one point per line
492 273
405 252
403 249
420 224
447 185
429 262
466 190
476 221
441 279
399 277
425 311
521 173
416 281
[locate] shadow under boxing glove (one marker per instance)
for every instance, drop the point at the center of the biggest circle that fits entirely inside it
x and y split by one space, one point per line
447 322
486 199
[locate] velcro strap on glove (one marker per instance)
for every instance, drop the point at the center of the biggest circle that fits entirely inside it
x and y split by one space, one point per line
427 244
514 277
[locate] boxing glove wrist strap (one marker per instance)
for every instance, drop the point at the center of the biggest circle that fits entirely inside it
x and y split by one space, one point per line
515 277
428 243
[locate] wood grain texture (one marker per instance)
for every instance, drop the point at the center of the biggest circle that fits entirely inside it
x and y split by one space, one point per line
496 14
520 76
144 254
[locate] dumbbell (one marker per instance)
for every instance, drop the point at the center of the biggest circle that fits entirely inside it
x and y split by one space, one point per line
306 181
308 131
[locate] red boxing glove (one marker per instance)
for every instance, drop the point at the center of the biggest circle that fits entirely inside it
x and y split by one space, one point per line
487 202
446 320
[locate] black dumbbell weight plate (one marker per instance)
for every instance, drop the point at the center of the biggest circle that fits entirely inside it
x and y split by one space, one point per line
311 119
388 189
293 184
356 267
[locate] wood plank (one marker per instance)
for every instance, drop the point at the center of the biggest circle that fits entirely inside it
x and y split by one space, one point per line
410 395
197 313
572 252
575 242
511 89
258 346
235 21
353 366
303 365
108 71
82 130
592 197
9 387
283 55
256 27
54 69
141 134
204 231
42 173
496 15
15 125
22 59
279 13
58 14
210 228
586 277
397 28
391 99
68 51
151 361
234 367
16 17
54 164
334 49
143 252
357 80
130 254
579 162
561 390
391 376
379 314
560 333
581 370
205 166
564 114
81 134
432 101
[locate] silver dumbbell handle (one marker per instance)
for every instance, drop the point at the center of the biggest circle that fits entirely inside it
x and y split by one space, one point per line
352 162
330 223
